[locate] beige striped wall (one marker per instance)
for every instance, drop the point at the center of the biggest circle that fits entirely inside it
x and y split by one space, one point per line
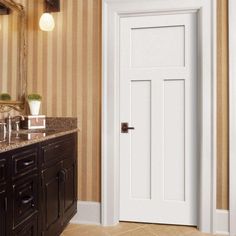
65 67
9 49
222 106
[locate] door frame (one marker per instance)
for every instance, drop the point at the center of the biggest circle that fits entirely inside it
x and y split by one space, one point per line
232 117
113 10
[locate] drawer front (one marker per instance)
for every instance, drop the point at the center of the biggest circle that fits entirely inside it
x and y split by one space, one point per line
58 149
29 228
25 199
3 171
24 162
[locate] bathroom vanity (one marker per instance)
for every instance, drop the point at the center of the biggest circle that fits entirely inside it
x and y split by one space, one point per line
38 182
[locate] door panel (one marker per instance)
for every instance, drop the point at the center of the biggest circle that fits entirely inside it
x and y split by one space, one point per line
140 148
155 47
69 190
158 97
51 197
174 143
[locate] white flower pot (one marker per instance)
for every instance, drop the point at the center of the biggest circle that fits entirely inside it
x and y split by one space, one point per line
34 107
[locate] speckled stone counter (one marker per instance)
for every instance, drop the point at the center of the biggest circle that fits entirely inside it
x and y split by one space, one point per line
55 127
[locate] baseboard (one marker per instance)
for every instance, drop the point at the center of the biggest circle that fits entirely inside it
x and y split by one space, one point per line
87 213
222 222
90 213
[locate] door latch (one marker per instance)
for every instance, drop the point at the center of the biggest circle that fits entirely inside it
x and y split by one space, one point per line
125 127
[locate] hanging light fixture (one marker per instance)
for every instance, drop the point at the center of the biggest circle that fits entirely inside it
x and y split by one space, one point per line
4 10
46 22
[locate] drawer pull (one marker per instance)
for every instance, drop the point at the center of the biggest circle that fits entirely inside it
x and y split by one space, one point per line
28 163
27 199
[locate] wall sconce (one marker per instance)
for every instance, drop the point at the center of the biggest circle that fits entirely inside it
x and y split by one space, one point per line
4 10
46 22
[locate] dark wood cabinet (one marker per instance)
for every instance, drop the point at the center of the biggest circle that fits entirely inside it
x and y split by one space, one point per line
51 197
59 184
38 187
69 199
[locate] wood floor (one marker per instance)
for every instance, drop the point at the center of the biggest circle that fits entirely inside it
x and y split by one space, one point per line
131 229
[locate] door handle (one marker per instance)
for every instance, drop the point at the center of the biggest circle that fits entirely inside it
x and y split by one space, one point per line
125 127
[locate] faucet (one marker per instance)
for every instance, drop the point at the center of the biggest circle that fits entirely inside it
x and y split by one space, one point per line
9 121
17 122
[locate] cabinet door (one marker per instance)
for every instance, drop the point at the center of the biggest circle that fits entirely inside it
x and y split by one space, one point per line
3 212
69 199
51 196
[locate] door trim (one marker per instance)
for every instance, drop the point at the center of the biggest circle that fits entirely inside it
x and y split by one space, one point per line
232 117
113 10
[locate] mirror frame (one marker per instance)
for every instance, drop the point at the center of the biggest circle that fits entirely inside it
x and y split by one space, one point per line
6 106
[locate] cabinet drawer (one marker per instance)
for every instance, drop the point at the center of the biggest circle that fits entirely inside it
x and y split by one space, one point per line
29 228
3 170
58 149
24 162
25 199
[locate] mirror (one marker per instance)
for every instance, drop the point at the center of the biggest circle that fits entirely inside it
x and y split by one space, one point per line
12 56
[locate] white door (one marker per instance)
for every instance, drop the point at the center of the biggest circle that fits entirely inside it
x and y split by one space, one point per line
158 97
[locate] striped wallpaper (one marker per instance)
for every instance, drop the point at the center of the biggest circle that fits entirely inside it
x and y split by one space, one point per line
65 67
9 38
222 106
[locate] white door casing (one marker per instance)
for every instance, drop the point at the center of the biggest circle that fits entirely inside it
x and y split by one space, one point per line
158 96
113 12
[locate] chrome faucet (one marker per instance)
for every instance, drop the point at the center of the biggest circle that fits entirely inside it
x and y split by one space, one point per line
18 116
9 121
17 122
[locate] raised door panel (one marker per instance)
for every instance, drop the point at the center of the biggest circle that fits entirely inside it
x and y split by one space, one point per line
69 190
3 212
51 200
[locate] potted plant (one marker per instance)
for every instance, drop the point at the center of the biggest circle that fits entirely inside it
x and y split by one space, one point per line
5 97
34 101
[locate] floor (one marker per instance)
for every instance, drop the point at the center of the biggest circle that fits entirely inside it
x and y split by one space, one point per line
131 229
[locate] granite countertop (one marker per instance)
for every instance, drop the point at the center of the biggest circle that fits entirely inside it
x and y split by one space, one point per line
55 127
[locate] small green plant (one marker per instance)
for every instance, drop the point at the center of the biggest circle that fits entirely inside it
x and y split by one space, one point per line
34 97
5 97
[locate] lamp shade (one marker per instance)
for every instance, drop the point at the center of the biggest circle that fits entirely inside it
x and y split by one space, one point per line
46 22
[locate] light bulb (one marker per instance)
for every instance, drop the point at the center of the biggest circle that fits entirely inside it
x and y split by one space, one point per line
46 22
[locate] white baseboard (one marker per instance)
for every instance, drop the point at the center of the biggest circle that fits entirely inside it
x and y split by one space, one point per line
222 222
90 213
87 213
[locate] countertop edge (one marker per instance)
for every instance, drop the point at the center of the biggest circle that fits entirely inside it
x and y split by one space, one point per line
25 143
